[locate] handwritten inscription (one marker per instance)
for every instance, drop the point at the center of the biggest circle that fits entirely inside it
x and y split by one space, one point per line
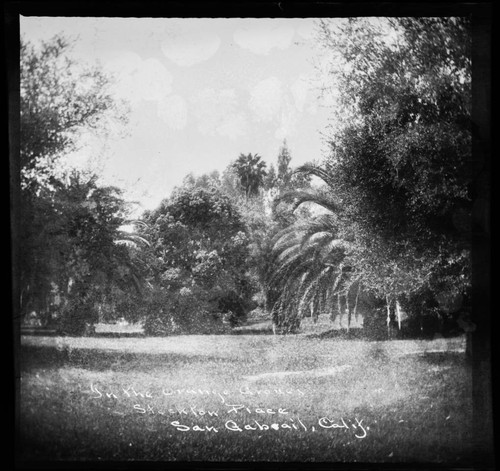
359 430
229 415
130 391
297 424
237 426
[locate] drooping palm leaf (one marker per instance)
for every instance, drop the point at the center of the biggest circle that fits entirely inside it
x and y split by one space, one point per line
317 171
311 259
131 240
300 197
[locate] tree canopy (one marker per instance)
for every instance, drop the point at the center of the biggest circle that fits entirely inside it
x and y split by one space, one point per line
251 172
199 248
395 200
72 245
58 99
398 175
402 171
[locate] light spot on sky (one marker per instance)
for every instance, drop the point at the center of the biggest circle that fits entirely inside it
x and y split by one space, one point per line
262 37
288 120
154 79
300 91
266 99
138 79
191 48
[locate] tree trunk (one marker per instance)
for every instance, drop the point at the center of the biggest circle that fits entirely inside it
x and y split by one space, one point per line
340 310
348 311
314 312
356 303
388 320
398 313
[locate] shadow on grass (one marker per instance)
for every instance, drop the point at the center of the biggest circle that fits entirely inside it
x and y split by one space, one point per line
354 334
367 335
56 333
444 357
34 357
122 335
252 331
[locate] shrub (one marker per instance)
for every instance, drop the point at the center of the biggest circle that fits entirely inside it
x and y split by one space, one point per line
232 307
159 324
187 311
78 318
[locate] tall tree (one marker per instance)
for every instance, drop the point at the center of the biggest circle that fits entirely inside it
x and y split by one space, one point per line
63 220
59 99
398 170
284 175
310 271
286 178
402 169
263 219
271 178
75 247
200 246
251 172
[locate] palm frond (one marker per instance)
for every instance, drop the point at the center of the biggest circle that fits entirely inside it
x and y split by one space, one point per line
138 223
310 291
338 245
311 260
300 197
285 239
126 243
131 240
314 238
317 171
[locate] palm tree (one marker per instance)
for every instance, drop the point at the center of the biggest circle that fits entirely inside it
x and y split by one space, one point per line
251 172
128 235
312 264
310 271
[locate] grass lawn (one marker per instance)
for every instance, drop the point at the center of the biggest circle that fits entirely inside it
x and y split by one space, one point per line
244 398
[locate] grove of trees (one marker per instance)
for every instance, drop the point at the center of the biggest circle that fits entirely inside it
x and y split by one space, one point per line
393 231
397 180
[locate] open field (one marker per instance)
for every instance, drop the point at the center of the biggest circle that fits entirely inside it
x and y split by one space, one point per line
244 397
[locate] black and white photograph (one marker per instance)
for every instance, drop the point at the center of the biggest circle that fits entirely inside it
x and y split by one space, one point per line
242 239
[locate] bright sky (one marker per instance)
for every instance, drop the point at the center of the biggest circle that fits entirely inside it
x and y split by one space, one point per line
201 91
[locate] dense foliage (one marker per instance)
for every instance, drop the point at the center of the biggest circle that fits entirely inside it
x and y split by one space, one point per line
76 260
59 98
72 255
200 248
398 176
